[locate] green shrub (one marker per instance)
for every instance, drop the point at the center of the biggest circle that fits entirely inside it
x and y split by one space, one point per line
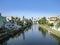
50 24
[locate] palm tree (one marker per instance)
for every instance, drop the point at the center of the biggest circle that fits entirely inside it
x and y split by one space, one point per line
42 20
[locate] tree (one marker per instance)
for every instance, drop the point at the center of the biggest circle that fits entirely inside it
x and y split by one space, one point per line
58 23
42 20
50 24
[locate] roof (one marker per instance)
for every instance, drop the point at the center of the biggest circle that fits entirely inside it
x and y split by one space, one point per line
53 18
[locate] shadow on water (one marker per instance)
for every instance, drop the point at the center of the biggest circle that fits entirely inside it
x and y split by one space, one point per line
4 42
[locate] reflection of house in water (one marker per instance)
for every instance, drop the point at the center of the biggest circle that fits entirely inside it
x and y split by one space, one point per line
23 35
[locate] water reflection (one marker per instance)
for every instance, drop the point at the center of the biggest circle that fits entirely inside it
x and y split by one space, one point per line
4 42
32 35
42 31
56 38
23 36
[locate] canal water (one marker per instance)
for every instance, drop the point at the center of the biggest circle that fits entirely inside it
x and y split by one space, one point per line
33 35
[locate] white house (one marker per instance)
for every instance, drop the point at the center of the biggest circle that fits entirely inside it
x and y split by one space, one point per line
10 24
54 21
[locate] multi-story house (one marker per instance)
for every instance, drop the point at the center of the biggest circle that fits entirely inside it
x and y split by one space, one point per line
52 19
10 24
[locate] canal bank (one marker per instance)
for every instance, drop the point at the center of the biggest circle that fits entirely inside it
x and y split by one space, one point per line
10 33
52 31
31 36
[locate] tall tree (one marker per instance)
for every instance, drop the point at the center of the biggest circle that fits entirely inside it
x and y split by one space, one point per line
42 20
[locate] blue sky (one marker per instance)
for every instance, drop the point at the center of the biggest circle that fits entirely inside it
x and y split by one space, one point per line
30 8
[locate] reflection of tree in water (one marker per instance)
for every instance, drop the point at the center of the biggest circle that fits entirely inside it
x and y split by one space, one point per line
32 27
43 31
21 32
23 36
35 26
4 42
28 28
56 38
17 35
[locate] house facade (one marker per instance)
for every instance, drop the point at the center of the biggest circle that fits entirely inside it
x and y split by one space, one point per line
52 19
10 24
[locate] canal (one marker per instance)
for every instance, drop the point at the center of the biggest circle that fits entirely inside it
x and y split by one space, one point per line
33 35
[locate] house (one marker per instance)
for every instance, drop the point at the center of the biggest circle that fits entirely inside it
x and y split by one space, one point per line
52 19
10 24
9 18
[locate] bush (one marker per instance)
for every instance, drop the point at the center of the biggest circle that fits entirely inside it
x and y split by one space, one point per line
50 24
42 20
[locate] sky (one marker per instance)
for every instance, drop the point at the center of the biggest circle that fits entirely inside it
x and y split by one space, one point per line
30 8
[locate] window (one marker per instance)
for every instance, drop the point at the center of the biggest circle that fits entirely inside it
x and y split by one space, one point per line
12 25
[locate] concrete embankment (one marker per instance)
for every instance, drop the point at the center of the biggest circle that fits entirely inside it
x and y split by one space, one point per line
51 31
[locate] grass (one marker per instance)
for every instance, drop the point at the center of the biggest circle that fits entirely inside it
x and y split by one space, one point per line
46 27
